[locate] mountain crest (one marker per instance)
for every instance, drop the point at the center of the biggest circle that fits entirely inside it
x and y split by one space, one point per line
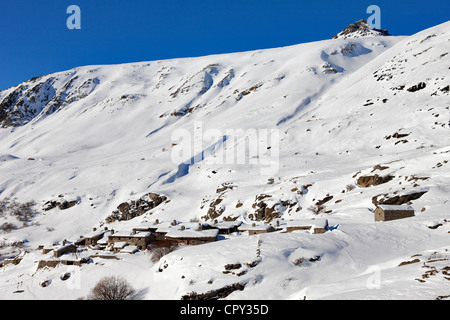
360 29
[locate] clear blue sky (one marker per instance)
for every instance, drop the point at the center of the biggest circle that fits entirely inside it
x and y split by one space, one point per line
34 39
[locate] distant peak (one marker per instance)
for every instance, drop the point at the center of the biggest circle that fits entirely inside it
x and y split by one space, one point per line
360 29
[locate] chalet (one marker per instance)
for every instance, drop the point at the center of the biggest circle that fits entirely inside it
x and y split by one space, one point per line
191 236
256 228
392 212
315 226
138 239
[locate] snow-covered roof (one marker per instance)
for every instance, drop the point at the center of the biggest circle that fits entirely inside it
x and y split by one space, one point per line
245 227
138 234
94 234
129 249
225 224
192 233
62 248
145 226
69 256
314 223
120 244
390 207
164 226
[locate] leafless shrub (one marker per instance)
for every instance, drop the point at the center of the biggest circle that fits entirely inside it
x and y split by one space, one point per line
8 227
158 253
350 187
112 288
22 211
3 205
299 261
316 209
17 244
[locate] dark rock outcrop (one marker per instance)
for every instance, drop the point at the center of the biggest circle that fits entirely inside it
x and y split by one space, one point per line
417 87
62 205
214 294
398 200
360 28
368 181
134 208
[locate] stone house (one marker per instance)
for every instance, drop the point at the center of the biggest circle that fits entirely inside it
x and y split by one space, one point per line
69 259
392 212
134 238
256 228
64 249
12 260
315 226
92 238
191 236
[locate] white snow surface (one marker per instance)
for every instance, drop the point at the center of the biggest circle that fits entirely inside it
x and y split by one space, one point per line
336 105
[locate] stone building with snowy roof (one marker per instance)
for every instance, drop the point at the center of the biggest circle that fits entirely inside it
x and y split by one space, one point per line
386 212
91 238
315 226
133 238
224 227
58 252
256 228
191 236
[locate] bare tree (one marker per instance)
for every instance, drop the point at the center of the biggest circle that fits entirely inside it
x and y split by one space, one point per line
112 288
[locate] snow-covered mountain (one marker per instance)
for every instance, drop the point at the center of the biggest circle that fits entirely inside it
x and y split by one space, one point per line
322 130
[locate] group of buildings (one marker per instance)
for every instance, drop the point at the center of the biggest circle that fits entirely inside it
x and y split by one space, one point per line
166 234
154 235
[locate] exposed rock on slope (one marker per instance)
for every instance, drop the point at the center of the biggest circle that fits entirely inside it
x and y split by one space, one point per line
360 29
368 181
134 208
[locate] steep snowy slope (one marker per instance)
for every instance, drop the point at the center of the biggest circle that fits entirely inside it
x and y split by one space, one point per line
324 119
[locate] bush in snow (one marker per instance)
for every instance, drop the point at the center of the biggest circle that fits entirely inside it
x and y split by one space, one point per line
22 211
316 209
158 253
112 288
